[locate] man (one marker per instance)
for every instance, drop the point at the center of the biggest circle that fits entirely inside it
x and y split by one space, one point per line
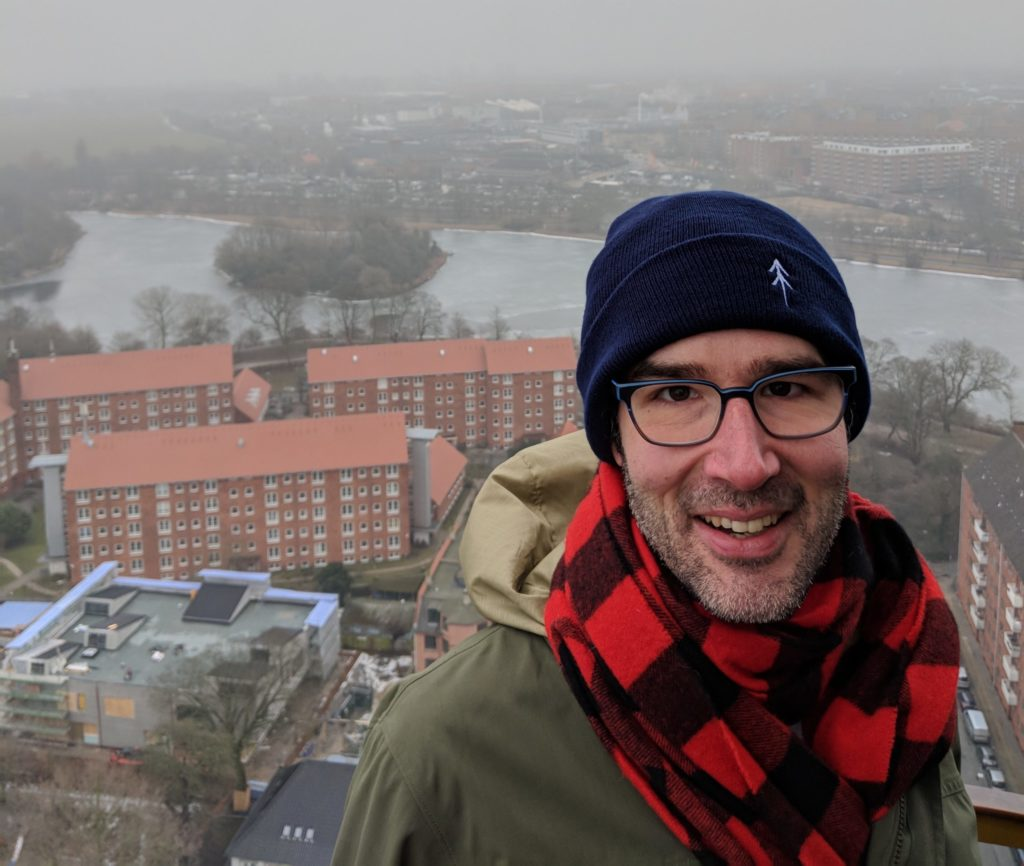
711 651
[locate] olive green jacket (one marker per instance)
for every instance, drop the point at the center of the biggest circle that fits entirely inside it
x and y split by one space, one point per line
486 758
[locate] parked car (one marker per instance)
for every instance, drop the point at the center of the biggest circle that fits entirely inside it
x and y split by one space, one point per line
995 777
963 681
987 756
966 699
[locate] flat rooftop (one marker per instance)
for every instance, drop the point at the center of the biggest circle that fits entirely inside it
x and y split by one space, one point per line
165 639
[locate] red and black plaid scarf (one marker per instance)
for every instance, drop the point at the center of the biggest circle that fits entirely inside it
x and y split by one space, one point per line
701 715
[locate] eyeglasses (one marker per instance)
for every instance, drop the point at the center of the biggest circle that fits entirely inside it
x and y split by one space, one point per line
797 404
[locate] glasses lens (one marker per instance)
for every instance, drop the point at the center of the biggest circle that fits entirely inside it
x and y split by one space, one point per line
676 414
800 404
789 406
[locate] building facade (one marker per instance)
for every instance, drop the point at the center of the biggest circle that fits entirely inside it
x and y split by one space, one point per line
881 168
10 459
274 495
476 392
990 565
96 667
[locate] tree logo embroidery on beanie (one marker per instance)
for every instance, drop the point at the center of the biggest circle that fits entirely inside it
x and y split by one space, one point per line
780 280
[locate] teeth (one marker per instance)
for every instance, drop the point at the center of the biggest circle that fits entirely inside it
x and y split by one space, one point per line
743 527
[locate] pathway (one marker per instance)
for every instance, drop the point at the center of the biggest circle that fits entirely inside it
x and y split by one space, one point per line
25 579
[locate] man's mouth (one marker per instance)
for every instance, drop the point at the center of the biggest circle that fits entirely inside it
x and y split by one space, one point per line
753 526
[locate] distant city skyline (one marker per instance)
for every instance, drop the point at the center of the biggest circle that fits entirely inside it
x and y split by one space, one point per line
56 45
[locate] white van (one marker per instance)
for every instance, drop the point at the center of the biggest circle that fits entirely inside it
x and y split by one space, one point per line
977 726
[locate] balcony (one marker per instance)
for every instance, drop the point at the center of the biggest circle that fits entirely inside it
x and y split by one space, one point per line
1012 644
978 595
980 533
1010 669
979 555
1012 621
1009 694
977 620
1014 594
978 575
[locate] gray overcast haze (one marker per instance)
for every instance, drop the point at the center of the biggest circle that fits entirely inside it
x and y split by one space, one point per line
57 44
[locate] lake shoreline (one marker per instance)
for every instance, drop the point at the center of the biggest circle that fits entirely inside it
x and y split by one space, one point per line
881 255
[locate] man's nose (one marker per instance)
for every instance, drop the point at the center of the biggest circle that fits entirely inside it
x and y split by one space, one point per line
742 452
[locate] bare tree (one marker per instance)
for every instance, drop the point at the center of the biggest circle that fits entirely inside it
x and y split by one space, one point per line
344 318
90 813
911 402
156 308
399 310
426 318
276 310
964 370
498 325
202 321
880 355
459 327
190 765
239 699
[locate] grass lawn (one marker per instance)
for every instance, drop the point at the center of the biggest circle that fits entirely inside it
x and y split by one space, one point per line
26 556
5 576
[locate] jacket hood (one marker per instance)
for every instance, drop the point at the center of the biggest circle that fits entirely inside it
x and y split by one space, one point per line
515 534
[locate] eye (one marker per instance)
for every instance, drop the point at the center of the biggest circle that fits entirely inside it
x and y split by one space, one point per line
675 393
783 388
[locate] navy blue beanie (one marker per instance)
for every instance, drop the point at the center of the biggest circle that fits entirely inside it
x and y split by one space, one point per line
681 265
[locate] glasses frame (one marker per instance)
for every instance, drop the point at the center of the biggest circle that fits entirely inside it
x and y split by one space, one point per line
624 393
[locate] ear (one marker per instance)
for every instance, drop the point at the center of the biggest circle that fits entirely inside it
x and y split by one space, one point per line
617 444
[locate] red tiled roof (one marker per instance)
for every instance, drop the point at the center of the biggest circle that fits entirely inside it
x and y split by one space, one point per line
250 394
121 372
529 356
388 360
382 360
6 409
446 462
235 451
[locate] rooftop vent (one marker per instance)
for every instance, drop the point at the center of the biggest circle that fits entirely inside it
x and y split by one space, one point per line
442 353
241 441
355 359
323 351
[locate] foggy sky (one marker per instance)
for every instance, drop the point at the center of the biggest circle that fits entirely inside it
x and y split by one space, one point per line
57 44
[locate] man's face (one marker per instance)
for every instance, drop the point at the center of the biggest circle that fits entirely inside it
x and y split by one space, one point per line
793 490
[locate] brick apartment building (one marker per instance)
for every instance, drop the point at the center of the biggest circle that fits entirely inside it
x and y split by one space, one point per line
275 495
991 565
777 157
156 389
10 465
864 168
476 392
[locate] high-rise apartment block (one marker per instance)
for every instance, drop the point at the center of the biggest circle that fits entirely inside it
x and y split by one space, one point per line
275 495
476 392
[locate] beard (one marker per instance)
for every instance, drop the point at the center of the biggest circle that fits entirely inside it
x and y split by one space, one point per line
742 590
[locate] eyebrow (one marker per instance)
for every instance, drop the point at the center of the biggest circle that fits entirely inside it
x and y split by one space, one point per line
649 369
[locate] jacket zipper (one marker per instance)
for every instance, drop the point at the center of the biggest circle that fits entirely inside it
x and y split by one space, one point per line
900 834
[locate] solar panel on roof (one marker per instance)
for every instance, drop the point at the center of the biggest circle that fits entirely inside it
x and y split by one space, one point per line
215 602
